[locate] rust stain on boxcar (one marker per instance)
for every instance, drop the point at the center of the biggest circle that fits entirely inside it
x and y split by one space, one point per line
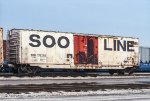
85 49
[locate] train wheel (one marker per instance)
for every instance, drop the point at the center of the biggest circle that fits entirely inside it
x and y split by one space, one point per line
21 70
130 71
111 72
36 70
120 72
33 70
29 70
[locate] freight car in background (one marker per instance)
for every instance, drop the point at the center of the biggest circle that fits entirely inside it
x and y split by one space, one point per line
4 50
144 60
1 47
30 50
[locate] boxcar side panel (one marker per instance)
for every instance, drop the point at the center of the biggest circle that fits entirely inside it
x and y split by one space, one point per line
118 52
46 48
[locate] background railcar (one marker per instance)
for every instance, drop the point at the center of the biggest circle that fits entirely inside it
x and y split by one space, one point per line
1 47
144 60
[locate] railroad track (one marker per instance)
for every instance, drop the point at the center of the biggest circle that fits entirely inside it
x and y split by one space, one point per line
65 74
77 87
60 74
50 84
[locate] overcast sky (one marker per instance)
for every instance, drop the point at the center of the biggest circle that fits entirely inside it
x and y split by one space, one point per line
107 17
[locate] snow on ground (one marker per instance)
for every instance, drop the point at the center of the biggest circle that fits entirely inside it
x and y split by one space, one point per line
69 77
105 95
59 80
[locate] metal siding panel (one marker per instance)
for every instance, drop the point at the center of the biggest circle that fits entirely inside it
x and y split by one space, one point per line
86 49
92 50
140 51
149 55
80 43
4 50
96 48
145 54
1 46
117 58
75 49
43 55
15 42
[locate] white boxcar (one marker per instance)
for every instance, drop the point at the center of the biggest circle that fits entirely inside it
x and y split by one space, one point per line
145 54
1 46
71 51
41 48
117 52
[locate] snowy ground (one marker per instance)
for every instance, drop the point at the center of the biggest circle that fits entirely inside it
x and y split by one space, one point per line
99 95
60 80
140 75
103 75
105 95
